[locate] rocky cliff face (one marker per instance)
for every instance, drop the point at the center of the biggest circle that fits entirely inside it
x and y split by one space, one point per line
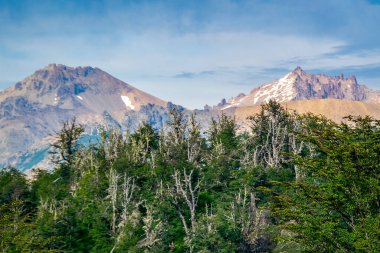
298 85
34 109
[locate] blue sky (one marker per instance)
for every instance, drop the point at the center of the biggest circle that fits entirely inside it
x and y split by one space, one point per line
192 52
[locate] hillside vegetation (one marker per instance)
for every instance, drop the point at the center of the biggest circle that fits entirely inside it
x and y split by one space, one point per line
292 183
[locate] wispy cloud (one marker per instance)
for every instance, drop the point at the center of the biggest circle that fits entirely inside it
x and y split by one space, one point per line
191 75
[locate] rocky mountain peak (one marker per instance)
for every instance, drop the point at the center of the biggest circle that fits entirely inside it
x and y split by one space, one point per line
54 72
53 67
299 85
56 80
352 78
298 71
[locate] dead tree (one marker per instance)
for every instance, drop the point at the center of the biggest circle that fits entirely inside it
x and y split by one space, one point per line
246 217
296 144
270 129
193 141
186 190
112 143
127 197
66 145
113 179
153 229
275 142
128 205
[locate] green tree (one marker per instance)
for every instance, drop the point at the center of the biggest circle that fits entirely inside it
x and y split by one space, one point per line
335 207
223 154
13 186
17 231
65 148
223 132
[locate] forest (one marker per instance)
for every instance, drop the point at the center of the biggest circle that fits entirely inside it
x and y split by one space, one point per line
289 183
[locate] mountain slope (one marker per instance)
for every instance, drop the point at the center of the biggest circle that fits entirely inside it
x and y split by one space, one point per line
298 85
35 108
334 109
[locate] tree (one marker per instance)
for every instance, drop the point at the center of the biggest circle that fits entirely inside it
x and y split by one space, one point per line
67 144
185 192
18 233
144 141
335 207
223 154
223 132
174 147
270 135
195 142
13 186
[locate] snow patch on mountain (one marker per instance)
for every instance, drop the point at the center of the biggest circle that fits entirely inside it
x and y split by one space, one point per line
281 90
127 102
234 101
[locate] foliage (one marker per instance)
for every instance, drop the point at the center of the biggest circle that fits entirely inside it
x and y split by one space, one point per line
13 186
292 183
66 144
335 207
18 233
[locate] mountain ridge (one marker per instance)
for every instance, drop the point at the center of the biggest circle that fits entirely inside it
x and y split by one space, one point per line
299 85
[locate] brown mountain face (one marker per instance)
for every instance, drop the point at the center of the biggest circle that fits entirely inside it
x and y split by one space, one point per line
334 109
35 108
298 85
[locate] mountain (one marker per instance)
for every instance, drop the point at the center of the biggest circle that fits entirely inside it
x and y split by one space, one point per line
298 85
66 88
34 109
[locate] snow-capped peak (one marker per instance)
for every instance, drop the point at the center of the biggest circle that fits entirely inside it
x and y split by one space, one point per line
298 85
281 90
